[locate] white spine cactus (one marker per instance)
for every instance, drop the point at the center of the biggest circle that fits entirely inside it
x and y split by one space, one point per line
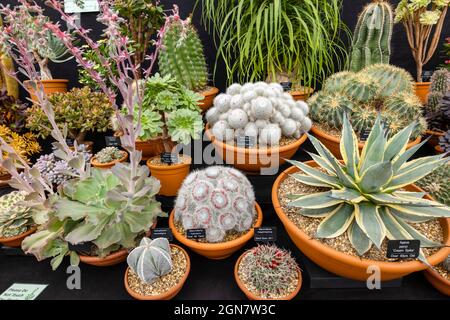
270 135
218 199
222 102
212 115
235 88
237 119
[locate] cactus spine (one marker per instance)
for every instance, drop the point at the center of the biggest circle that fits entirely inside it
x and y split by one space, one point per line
372 37
182 55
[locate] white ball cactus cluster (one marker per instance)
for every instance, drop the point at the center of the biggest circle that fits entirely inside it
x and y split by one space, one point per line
259 110
217 199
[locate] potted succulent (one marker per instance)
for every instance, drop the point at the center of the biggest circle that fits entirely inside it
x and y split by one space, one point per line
272 122
267 272
80 111
7 82
423 22
182 57
16 221
108 157
221 201
378 88
26 23
156 270
284 52
339 214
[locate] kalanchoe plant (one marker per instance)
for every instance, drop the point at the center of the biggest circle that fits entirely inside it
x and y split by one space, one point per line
15 219
364 195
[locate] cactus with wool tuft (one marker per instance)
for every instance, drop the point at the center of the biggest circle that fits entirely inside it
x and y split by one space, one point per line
151 259
372 36
15 219
268 271
109 154
182 55
218 199
437 184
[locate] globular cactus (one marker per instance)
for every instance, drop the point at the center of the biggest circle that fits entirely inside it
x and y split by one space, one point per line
390 79
151 259
268 271
108 154
440 81
330 108
433 102
259 110
363 117
182 55
337 81
437 184
438 100
218 199
372 36
361 87
15 219
404 103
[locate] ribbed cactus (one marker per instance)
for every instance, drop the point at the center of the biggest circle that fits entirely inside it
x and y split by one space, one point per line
363 117
405 103
437 184
218 199
151 259
391 79
440 81
14 218
372 36
336 82
330 108
182 55
361 87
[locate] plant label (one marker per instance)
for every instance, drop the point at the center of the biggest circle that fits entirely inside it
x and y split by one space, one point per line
23 291
112 141
169 158
246 142
426 75
195 234
70 142
79 6
287 85
162 233
265 234
84 248
403 249
364 135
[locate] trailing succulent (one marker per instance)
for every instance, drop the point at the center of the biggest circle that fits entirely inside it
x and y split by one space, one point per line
437 184
109 154
15 219
218 199
258 110
378 88
364 196
151 259
268 270
437 110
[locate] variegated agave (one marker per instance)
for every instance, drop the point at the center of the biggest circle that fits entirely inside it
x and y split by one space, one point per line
366 196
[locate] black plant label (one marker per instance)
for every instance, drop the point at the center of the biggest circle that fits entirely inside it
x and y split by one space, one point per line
169 158
162 233
195 234
84 248
403 249
364 135
112 141
70 142
265 234
246 142
287 85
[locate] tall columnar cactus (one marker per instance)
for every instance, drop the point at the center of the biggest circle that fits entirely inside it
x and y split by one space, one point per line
182 55
151 259
372 37
218 199
440 81
440 85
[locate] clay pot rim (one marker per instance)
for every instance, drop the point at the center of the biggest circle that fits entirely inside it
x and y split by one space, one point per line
422 84
434 274
95 163
254 151
210 92
171 291
308 91
50 81
251 295
171 167
215 246
113 256
316 131
389 267
20 236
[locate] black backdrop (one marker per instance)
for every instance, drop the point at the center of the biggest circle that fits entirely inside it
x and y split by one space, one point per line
401 55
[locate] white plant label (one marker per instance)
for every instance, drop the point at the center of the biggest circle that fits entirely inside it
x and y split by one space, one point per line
23 291
70 6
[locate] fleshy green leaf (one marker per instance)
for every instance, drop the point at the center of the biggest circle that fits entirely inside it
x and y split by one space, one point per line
317 174
369 220
315 201
349 148
375 177
349 195
337 222
397 144
358 239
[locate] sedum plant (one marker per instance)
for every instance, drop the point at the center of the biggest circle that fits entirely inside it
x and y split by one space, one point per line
109 154
364 195
151 259
15 218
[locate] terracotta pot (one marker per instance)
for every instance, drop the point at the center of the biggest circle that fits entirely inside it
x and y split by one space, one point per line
256 159
302 94
168 295
346 265
50 86
252 296
434 137
437 281
208 98
111 164
333 142
171 177
152 147
216 251
422 90
17 240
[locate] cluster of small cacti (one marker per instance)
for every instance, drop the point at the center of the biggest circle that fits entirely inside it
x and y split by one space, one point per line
15 219
151 259
108 154
372 36
269 270
258 110
437 110
378 88
437 184
217 199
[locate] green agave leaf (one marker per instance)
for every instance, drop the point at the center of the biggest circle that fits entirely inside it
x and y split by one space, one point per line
337 222
406 155
397 144
315 201
409 217
409 194
416 163
317 174
358 239
309 180
347 194
376 131
376 176
322 162
349 148
317 213
369 220
437 211
386 198
373 151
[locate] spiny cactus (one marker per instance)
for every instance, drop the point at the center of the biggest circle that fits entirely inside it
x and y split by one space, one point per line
337 81
390 79
372 36
361 87
437 184
15 219
440 81
363 117
437 109
108 154
218 199
268 270
151 259
258 109
182 55
404 103
330 108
